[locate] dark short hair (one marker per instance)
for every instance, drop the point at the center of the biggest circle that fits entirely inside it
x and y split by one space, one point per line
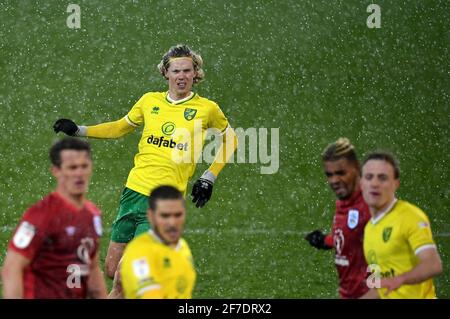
163 192
67 143
387 157
342 148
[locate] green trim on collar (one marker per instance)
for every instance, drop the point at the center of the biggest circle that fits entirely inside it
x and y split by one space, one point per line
182 101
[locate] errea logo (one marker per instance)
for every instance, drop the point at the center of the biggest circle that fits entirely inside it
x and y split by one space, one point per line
155 110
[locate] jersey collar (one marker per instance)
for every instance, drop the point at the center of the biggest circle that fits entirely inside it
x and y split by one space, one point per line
387 210
155 236
172 101
68 203
351 200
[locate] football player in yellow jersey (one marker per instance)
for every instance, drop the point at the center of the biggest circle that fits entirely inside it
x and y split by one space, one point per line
398 243
158 263
175 124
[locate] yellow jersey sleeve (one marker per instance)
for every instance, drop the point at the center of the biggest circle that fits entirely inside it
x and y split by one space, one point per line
226 150
217 119
135 116
417 230
136 275
110 129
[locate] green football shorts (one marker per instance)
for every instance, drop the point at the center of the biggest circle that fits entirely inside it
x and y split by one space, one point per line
131 219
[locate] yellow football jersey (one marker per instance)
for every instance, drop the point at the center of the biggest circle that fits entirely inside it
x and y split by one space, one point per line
392 242
151 269
168 150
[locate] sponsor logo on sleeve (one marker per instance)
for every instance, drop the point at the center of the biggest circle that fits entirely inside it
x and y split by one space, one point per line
24 235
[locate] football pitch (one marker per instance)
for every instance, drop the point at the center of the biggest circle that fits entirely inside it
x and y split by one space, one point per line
313 69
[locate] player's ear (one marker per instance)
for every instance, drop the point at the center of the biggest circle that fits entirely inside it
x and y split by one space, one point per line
195 74
55 170
397 183
165 70
150 215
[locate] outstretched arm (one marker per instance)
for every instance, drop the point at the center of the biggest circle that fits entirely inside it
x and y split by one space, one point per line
114 129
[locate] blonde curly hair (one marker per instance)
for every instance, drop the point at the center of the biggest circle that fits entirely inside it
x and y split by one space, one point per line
180 51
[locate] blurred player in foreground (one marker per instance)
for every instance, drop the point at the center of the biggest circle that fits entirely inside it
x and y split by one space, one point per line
175 124
341 168
158 263
398 243
54 250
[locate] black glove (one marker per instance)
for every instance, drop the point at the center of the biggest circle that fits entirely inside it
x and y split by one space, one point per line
201 192
67 126
317 239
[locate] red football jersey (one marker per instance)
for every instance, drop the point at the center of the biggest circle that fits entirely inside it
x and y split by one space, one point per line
60 240
348 234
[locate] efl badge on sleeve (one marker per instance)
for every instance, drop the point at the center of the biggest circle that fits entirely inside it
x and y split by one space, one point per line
98 225
24 235
189 114
353 217
141 268
423 224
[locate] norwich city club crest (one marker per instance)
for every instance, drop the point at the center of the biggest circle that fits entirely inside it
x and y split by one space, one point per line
166 262
387 234
189 114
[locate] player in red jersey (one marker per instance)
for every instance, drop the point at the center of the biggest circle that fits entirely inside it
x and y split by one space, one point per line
342 169
54 250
